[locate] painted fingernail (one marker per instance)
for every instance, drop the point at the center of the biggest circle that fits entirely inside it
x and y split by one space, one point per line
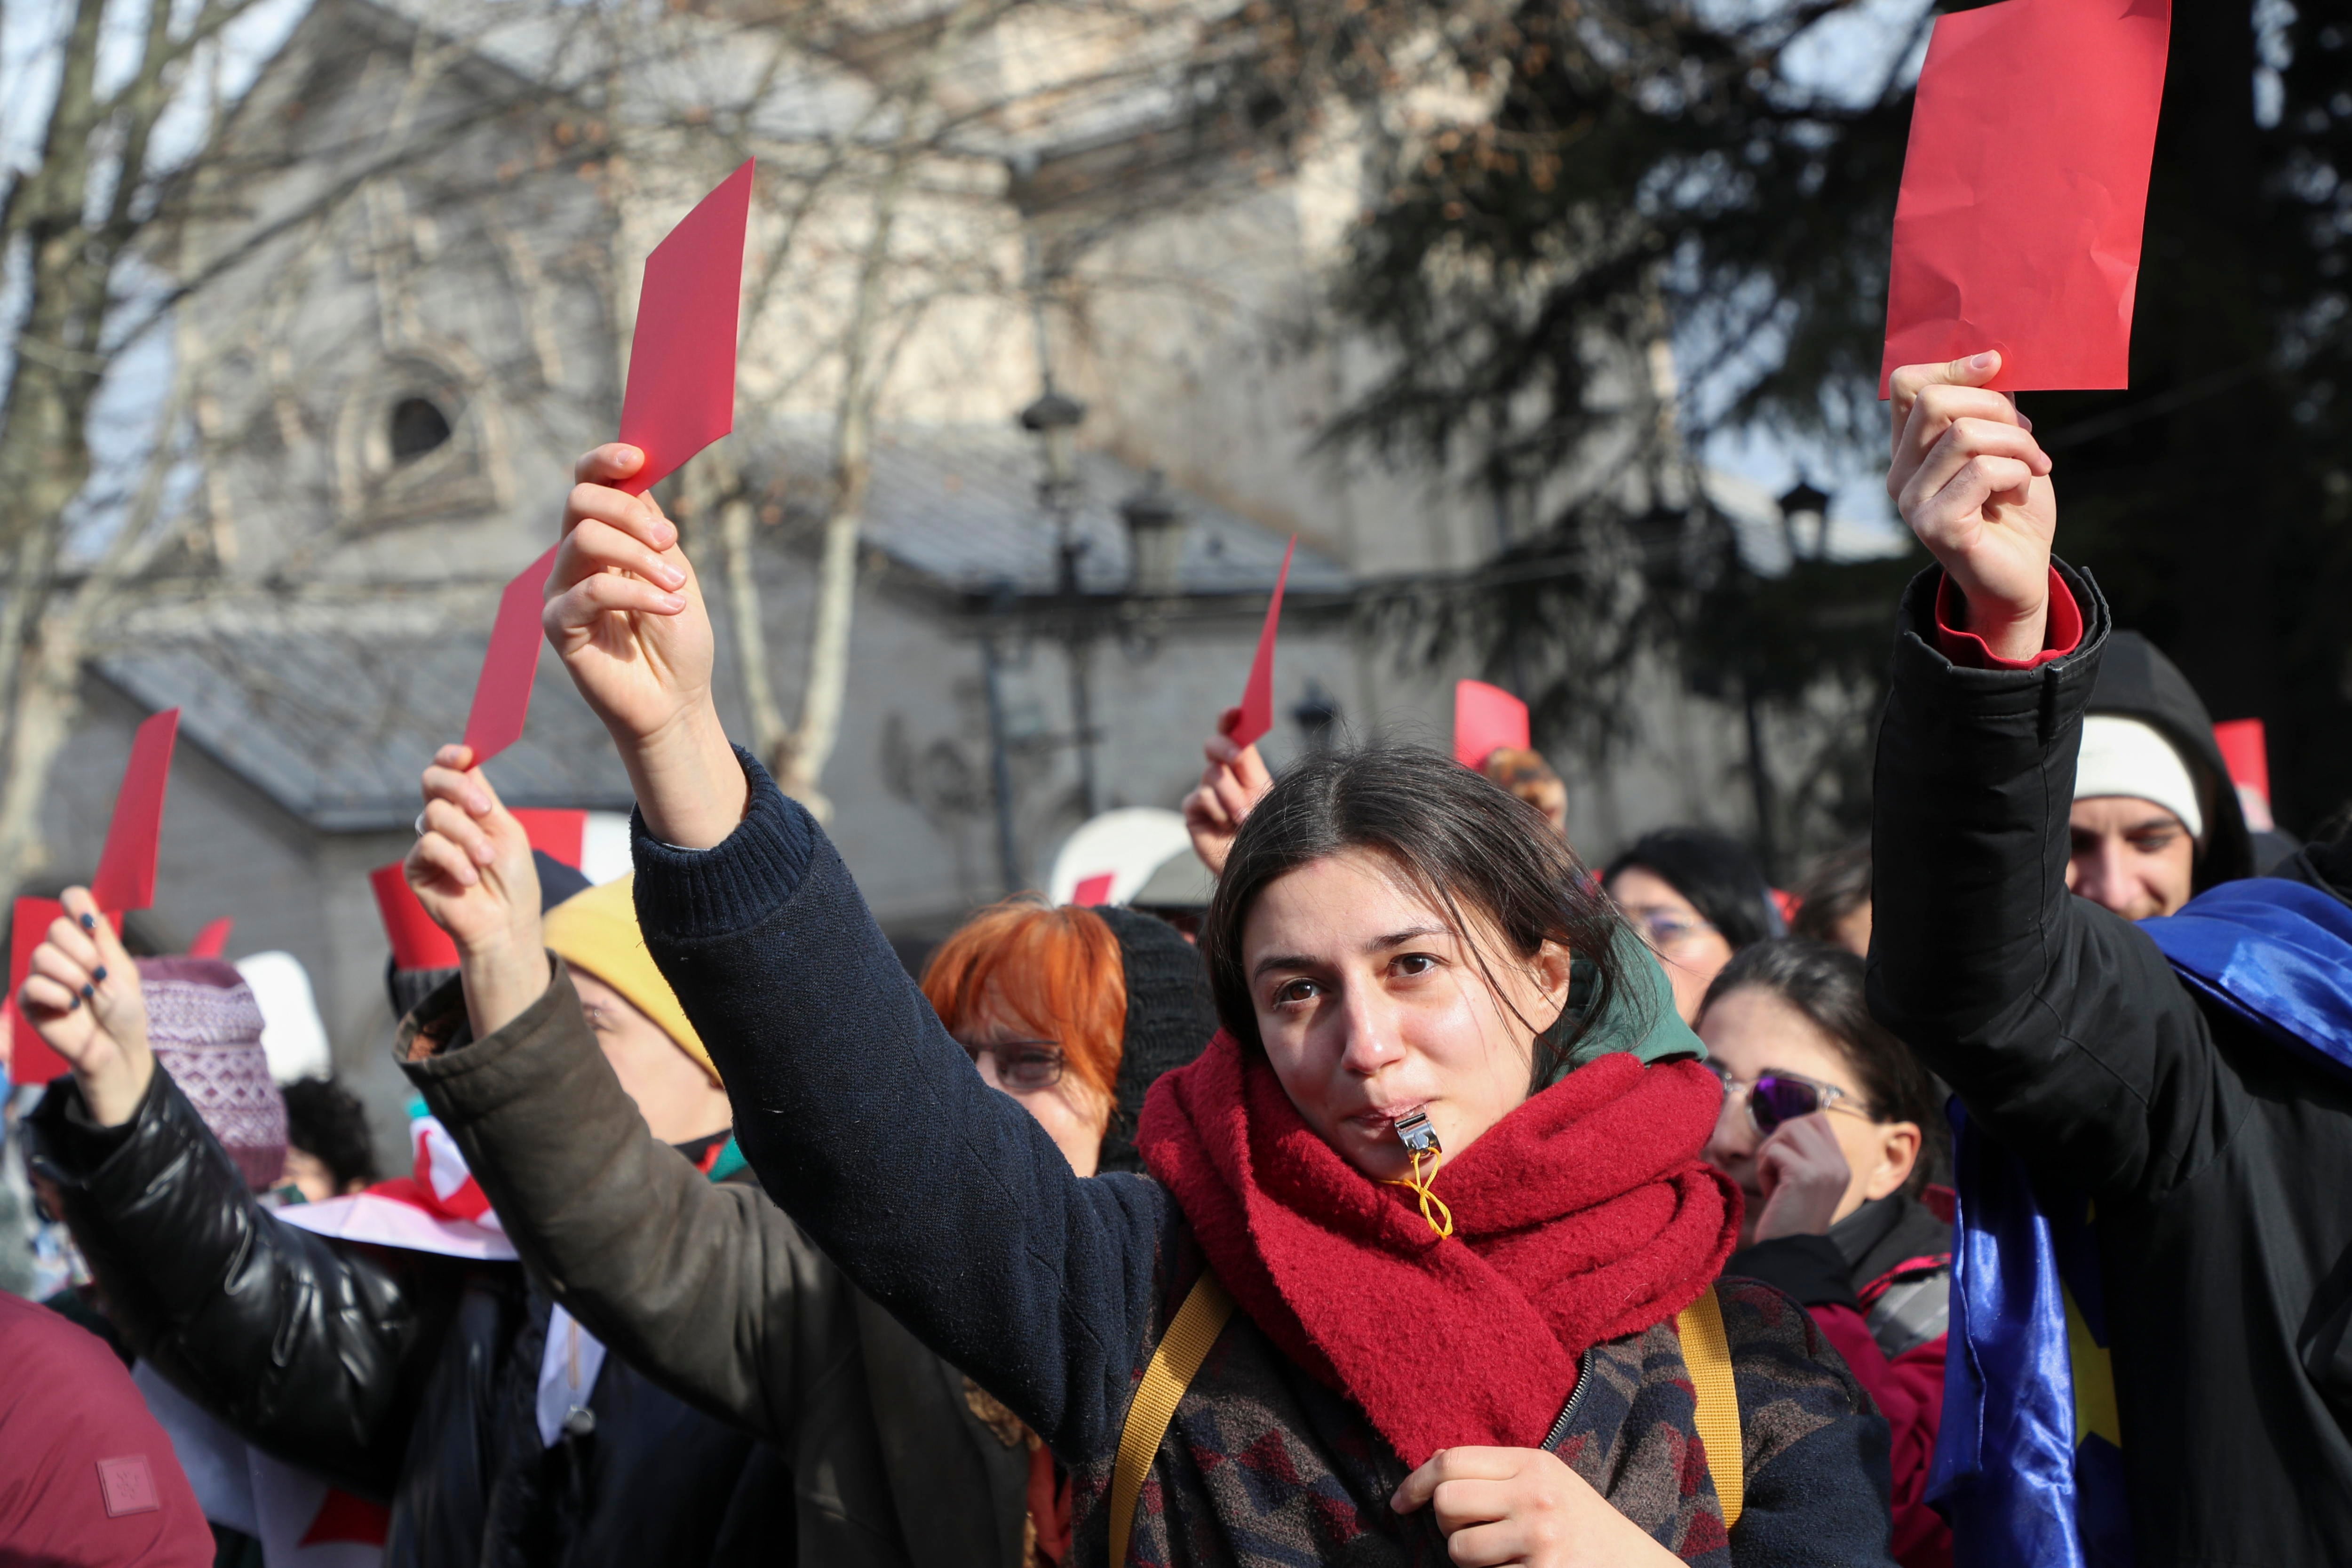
72 1003
89 992
98 975
89 922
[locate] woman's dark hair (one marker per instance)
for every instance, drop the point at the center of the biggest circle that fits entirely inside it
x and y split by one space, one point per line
1837 884
1470 846
1825 983
1715 873
326 1121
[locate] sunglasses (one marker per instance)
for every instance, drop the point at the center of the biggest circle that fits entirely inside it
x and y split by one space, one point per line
1022 1065
1774 1098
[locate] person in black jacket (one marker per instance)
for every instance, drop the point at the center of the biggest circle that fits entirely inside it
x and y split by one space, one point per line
2207 1123
408 1378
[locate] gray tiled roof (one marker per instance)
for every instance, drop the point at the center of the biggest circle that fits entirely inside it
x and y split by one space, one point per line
334 727
331 713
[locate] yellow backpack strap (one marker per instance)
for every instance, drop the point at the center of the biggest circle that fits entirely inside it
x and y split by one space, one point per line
1706 1350
1182 1349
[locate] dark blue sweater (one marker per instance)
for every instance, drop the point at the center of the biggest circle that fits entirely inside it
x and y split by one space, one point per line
949 1204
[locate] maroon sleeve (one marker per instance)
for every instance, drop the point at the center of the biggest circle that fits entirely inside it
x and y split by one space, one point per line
1910 1394
87 1476
2061 636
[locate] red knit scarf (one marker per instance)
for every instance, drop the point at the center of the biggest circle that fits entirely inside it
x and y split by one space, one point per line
1583 1215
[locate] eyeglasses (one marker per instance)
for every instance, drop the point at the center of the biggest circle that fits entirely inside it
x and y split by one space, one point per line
1774 1098
1665 928
1022 1065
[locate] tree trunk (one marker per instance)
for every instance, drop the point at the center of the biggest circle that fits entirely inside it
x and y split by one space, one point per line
800 764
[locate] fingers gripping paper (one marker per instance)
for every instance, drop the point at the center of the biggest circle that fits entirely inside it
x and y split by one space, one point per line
2024 189
681 392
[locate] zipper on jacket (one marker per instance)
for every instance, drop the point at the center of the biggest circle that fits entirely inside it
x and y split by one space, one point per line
1567 1411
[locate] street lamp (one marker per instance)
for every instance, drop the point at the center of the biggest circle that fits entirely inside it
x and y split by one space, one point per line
1804 501
1155 538
1053 419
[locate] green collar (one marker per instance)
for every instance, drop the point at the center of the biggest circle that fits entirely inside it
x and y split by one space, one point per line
1641 1017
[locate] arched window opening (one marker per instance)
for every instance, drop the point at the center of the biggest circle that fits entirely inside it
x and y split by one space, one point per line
418 426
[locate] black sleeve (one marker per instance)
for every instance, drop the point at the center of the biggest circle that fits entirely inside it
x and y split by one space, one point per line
2060 1025
305 1346
941 1198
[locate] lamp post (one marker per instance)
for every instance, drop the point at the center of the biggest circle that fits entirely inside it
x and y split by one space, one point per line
1155 538
1804 500
1053 419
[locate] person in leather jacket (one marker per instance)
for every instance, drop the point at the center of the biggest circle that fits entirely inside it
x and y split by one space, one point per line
401 1375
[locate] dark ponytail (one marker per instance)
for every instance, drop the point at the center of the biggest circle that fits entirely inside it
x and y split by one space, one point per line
1478 853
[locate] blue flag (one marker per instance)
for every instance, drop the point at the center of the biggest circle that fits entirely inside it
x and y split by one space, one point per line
2029 1460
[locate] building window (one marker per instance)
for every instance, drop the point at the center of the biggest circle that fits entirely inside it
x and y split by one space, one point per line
418 427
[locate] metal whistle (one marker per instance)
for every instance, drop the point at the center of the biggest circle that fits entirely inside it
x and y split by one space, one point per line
1418 1136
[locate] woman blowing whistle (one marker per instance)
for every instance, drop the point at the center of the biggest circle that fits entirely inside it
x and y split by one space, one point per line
1465 1350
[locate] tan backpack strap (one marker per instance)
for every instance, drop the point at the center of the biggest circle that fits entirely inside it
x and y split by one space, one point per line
1182 1349
1706 1350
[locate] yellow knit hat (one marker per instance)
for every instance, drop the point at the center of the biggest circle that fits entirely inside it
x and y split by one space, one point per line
596 933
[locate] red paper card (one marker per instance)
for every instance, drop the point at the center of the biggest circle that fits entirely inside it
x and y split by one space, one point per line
502 695
126 867
212 940
30 1060
1092 890
2245 752
1486 720
417 941
681 392
2024 187
1258 696
558 832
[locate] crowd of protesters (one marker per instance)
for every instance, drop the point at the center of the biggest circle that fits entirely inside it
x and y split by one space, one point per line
1422 1197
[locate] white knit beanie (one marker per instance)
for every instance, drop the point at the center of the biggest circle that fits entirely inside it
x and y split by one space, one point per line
2131 757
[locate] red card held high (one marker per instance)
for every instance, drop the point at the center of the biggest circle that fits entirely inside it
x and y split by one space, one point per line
502 694
2024 188
1257 711
126 867
681 392
1486 720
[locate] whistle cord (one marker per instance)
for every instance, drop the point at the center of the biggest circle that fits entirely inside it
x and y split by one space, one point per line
1441 1222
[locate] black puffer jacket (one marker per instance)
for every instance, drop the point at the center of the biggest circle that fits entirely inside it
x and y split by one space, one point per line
2218 1159
402 1376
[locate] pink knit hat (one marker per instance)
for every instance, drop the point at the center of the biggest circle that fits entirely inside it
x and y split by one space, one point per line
205 1029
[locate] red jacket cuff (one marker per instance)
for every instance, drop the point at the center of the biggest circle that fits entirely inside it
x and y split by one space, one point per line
2062 632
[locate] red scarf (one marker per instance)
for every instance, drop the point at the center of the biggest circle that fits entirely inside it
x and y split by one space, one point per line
1583 1215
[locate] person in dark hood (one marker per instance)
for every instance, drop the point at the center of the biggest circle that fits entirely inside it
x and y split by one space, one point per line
2156 819
898 1457
2151 1315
